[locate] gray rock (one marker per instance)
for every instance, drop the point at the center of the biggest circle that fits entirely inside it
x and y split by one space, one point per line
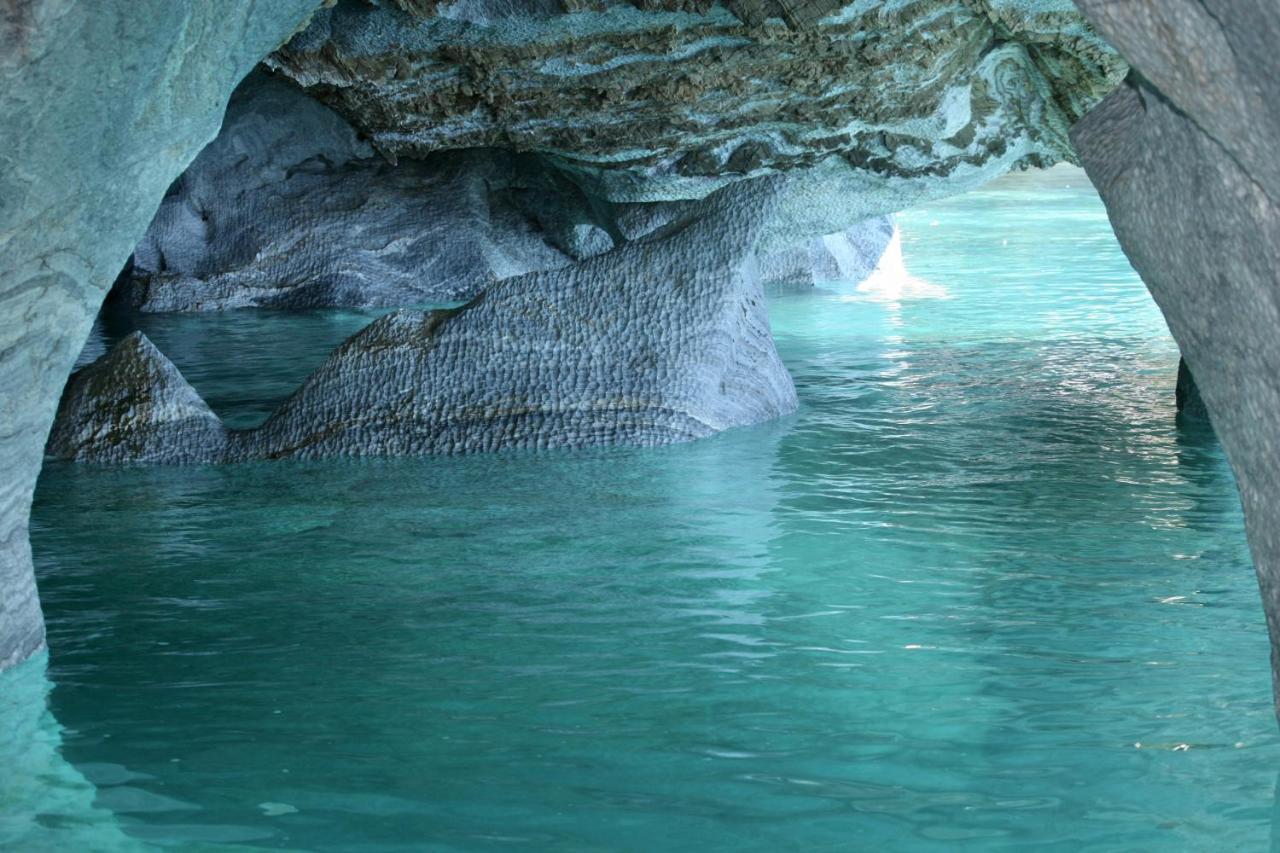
850 255
287 208
817 231
646 101
103 104
1183 156
653 343
132 405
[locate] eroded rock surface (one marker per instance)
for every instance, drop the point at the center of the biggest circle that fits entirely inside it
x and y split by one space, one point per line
889 103
1183 156
849 256
651 344
288 208
656 342
653 101
132 405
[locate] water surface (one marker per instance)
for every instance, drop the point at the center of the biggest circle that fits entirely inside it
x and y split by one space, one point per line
981 592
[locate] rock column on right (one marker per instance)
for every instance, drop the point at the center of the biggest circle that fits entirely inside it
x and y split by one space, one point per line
1183 156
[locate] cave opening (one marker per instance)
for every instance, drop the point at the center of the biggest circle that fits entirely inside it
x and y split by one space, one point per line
497 435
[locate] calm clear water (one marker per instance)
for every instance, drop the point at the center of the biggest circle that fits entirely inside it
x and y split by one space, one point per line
982 592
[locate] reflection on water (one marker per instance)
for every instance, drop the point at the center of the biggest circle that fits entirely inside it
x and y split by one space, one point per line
45 803
981 589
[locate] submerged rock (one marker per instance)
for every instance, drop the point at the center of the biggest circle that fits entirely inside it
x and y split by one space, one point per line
132 405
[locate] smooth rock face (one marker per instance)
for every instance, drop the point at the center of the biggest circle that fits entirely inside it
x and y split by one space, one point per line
1183 156
667 101
93 127
132 405
656 342
850 255
287 208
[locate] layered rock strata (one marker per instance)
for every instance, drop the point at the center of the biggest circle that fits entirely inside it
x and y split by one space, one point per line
1183 156
656 342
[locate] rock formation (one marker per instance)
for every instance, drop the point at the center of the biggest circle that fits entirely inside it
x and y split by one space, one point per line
1183 157
570 357
850 255
1187 395
888 103
132 405
93 128
671 100
287 208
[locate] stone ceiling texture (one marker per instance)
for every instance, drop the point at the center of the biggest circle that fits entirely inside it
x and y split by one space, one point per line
665 100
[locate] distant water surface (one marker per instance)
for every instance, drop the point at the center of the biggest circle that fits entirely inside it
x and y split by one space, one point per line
982 592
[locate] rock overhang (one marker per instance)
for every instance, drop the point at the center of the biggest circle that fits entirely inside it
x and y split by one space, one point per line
650 102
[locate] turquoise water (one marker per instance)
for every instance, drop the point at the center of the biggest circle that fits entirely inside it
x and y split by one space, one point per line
981 592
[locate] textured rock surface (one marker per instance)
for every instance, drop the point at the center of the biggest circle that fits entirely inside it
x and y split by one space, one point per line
93 127
287 208
657 342
1183 156
103 104
132 405
671 100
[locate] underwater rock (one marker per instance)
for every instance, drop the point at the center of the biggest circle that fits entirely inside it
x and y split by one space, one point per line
647 102
104 103
132 405
1183 156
